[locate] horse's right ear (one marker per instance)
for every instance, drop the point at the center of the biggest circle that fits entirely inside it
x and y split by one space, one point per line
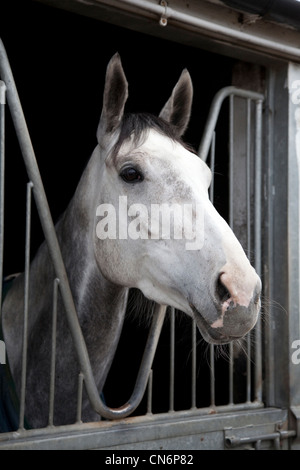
177 109
114 98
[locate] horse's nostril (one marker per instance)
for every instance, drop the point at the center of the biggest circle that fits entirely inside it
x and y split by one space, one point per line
222 291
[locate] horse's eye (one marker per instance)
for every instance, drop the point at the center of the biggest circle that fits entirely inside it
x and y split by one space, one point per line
131 175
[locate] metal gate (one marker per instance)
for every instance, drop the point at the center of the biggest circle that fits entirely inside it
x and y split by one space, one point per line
242 421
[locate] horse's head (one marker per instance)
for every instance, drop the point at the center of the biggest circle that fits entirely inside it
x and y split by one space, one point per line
155 228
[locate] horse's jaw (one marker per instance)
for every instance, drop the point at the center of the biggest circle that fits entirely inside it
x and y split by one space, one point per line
224 311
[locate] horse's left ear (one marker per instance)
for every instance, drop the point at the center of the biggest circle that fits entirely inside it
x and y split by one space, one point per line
177 109
114 98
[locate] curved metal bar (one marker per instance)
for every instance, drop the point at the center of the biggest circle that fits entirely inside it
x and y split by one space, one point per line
214 113
60 272
144 370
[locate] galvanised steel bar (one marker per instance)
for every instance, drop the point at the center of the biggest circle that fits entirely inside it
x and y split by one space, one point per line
214 114
211 346
212 375
2 172
79 397
257 241
231 184
55 253
230 390
144 370
172 359
194 364
209 27
212 166
26 300
149 393
53 352
248 215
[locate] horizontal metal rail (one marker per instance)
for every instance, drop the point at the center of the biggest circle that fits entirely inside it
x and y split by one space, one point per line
206 26
59 268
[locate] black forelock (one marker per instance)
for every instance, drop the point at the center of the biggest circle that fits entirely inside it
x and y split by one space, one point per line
138 125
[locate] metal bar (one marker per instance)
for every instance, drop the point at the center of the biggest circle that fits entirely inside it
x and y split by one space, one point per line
194 364
55 253
248 369
157 418
211 346
258 178
231 158
257 241
144 370
79 397
214 114
248 176
230 402
212 166
53 352
26 300
248 212
229 34
231 163
212 375
149 394
2 181
172 359
233 441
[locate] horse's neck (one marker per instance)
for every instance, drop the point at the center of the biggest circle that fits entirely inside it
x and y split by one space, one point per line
100 304
96 299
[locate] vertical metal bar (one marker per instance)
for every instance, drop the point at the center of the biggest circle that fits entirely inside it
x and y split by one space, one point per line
231 152
2 173
172 359
257 241
53 352
211 346
248 176
212 374
230 373
231 162
149 393
248 212
212 166
79 397
26 298
248 371
194 363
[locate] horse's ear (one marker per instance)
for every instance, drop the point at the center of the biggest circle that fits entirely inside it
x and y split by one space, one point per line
177 109
114 97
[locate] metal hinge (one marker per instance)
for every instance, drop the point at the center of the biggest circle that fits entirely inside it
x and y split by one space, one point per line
255 436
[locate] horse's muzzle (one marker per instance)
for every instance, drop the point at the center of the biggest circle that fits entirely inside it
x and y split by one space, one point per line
233 320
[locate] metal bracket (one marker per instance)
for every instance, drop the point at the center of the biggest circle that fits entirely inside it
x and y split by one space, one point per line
164 17
255 435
